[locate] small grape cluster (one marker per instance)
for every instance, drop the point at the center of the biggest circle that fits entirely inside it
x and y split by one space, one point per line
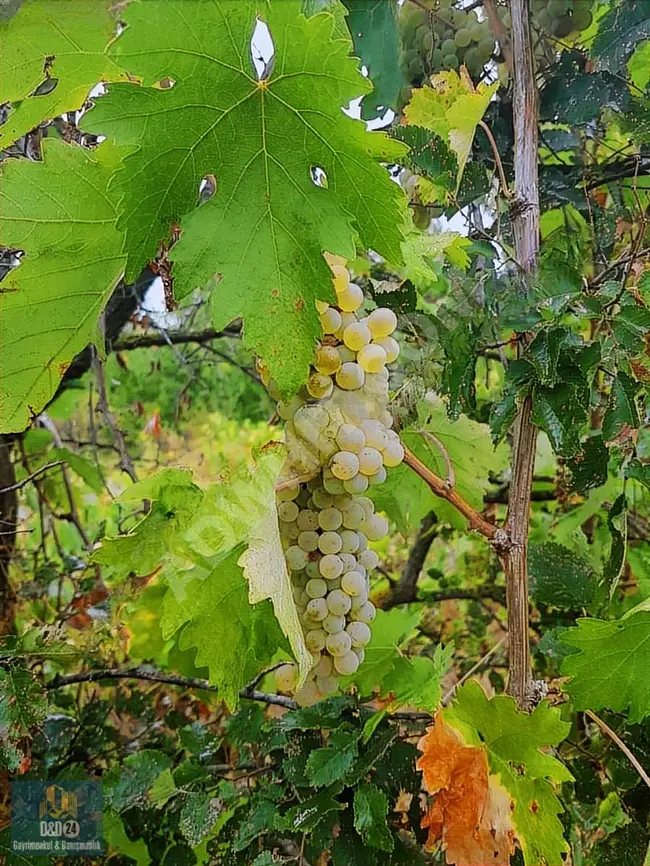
443 37
338 429
559 18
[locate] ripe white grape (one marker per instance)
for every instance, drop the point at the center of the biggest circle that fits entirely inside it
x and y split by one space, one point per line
341 278
333 624
359 632
382 322
338 602
288 511
375 385
376 527
319 386
386 419
366 613
350 377
322 499
349 561
295 557
307 519
347 664
333 485
360 653
356 336
327 361
316 588
286 677
330 543
351 299
375 433
346 355
338 644
331 566
369 559
286 411
330 320
344 465
358 602
367 504
315 640
349 541
358 484
343 502
289 531
371 358
363 541
307 695
379 477
353 583
390 346
350 438
324 666
326 685
308 541
393 453
330 519
288 493
354 516
370 461
316 609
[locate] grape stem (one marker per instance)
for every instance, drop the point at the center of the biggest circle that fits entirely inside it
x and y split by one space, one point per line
439 486
497 159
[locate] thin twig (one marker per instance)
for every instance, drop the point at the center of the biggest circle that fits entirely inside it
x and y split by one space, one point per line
449 467
497 159
169 338
605 728
126 464
479 664
20 484
499 30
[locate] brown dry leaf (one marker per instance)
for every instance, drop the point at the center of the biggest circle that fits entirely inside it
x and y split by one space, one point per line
471 812
403 803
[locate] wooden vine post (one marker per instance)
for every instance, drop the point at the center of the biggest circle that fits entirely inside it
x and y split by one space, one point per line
525 218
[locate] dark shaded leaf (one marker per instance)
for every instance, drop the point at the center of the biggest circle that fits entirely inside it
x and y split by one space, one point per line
639 471
308 815
561 412
330 764
430 155
619 32
589 466
544 353
129 784
631 327
370 811
559 577
617 525
622 411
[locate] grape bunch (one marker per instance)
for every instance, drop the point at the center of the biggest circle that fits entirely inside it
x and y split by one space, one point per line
443 37
559 18
338 430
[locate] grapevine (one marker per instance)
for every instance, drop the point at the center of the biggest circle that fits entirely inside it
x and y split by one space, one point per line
339 433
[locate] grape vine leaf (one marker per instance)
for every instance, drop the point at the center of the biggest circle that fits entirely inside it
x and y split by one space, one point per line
370 812
259 240
23 706
373 26
622 412
331 763
407 499
513 741
52 55
610 668
559 577
61 214
619 32
115 836
451 108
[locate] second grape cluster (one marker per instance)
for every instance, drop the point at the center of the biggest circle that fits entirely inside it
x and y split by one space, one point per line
338 428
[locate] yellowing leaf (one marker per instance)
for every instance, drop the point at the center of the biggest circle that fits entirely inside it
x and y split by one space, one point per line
63 42
451 108
470 814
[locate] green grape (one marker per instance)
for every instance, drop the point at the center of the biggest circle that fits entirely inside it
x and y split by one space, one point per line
349 541
447 47
339 603
463 37
315 640
544 21
308 541
331 566
562 27
359 633
485 47
333 624
330 543
582 18
557 8
344 465
427 40
451 61
338 644
474 63
308 519
330 519
358 484
316 588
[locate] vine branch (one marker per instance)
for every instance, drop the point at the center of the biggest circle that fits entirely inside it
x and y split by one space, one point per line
605 728
25 481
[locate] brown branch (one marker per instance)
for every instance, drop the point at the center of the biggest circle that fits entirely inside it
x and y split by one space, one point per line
20 484
497 158
126 464
619 742
475 520
525 218
499 30
246 693
406 590
143 341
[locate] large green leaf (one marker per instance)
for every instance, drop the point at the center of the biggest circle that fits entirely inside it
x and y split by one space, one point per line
514 742
619 32
63 41
62 215
373 26
406 498
259 239
610 669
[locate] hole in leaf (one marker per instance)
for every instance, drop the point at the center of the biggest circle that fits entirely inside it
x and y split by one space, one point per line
318 176
165 83
5 110
9 259
48 85
207 187
262 50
